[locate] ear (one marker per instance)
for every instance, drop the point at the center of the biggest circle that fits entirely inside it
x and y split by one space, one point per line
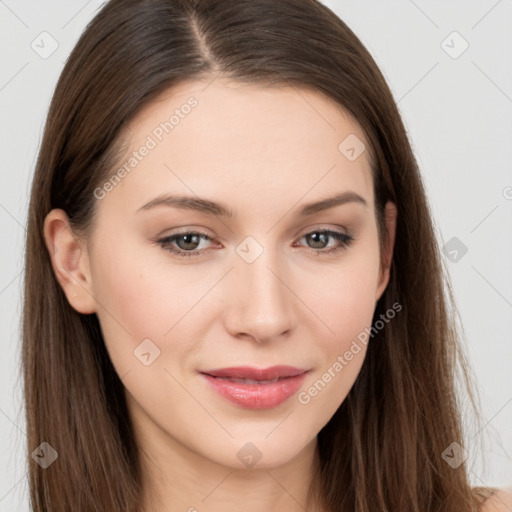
70 261
389 243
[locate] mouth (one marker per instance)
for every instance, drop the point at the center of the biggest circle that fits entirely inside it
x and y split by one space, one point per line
251 381
253 388
256 374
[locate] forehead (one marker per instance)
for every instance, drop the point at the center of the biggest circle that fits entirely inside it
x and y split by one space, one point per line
242 143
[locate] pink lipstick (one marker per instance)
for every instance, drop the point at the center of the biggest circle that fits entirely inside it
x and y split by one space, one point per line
254 388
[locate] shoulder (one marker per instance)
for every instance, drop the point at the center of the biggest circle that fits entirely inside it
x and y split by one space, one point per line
500 501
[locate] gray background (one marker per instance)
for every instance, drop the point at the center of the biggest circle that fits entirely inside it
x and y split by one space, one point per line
458 111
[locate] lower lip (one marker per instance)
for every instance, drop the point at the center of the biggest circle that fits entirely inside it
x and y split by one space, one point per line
256 396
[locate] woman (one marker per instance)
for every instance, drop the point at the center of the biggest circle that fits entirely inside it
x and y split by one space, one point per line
227 235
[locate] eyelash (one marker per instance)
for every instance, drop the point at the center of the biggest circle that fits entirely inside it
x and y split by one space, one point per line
344 239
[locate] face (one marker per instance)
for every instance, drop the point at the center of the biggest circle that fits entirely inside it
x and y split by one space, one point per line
235 268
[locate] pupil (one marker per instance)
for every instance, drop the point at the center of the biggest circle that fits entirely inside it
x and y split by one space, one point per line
188 242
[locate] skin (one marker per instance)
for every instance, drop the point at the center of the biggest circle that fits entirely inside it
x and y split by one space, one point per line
501 501
264 152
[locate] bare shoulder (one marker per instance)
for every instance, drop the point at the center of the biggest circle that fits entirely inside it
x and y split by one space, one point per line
500 501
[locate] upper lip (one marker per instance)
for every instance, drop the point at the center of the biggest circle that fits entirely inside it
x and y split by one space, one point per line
248 372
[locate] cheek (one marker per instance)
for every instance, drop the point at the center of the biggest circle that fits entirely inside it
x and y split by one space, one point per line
142 296
344 296
340 346
344 301
347 315
131 306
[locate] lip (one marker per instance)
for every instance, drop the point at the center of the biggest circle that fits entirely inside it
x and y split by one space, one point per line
249 372
264 395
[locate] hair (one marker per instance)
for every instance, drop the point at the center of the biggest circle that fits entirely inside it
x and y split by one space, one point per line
382 449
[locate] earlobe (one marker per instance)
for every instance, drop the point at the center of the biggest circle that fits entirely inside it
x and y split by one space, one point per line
70 261
391 213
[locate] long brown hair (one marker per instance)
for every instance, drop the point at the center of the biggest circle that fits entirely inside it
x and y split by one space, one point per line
383 448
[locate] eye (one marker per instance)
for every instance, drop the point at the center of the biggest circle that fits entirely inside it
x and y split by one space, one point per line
188 242
319 238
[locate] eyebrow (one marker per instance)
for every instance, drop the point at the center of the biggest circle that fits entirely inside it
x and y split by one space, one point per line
209 207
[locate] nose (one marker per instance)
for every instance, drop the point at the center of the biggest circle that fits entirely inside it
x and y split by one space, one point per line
261 303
